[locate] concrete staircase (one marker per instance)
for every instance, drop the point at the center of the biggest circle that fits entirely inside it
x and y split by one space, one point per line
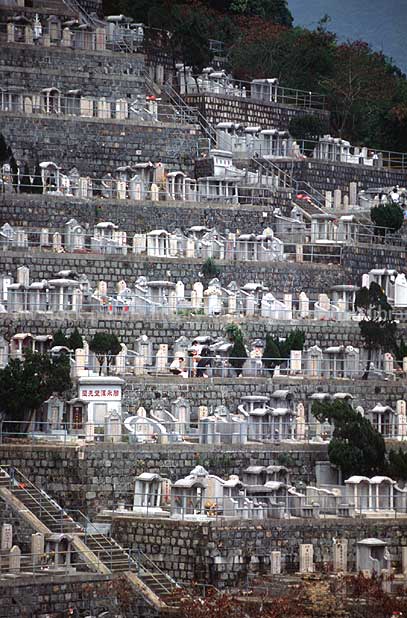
101 553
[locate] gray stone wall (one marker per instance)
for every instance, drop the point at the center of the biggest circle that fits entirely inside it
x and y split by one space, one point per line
93 73
279 276
96 477
162 330
218 108
146 391
55 595
54 211
327 176
21 531
223 553
94 145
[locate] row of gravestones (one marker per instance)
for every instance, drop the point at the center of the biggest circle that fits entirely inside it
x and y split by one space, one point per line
11 554
306 556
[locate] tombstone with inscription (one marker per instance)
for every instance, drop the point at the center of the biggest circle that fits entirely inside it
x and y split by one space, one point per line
37 547
340 555
306 558
113 427
275 562
6 536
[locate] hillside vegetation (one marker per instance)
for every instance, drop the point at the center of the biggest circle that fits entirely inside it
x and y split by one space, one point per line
366 92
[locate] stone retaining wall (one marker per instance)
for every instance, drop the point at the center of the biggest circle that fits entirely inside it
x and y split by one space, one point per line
223 552
217 108
162 330
278 276
96 477
327 176
54 595
48 211
146 391
96 146
102 74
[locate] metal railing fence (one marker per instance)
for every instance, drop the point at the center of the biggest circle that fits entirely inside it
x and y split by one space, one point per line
276 94
257 501
292 247
53 103
272 426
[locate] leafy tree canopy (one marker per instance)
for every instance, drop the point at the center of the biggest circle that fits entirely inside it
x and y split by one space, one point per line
4 150
210 268
271 353
60 339
238 352
75 340
366 93
356 447
378 328
105 346
26 384
276 348
388 215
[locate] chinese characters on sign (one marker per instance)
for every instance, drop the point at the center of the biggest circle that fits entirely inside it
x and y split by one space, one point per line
97 393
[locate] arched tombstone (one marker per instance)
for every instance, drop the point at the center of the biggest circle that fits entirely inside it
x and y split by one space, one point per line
300 428
14 563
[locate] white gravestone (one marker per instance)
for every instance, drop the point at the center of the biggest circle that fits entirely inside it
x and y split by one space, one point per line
37 547
162 357
6 536
306 558
275 562
300 422
14 560
303 305
89 432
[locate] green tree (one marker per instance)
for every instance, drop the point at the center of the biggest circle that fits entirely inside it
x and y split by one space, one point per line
355 99
307 130
37 186
238 352
271 353
26 384
25 181
378 329
389 216
281 348
356 447
400 351
75 340
210 268
276 11
60 339
294 341
4 150
14 171
105 346
397 464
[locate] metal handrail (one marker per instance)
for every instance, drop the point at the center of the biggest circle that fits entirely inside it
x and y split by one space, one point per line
44 494
315 195
112 542
177 100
